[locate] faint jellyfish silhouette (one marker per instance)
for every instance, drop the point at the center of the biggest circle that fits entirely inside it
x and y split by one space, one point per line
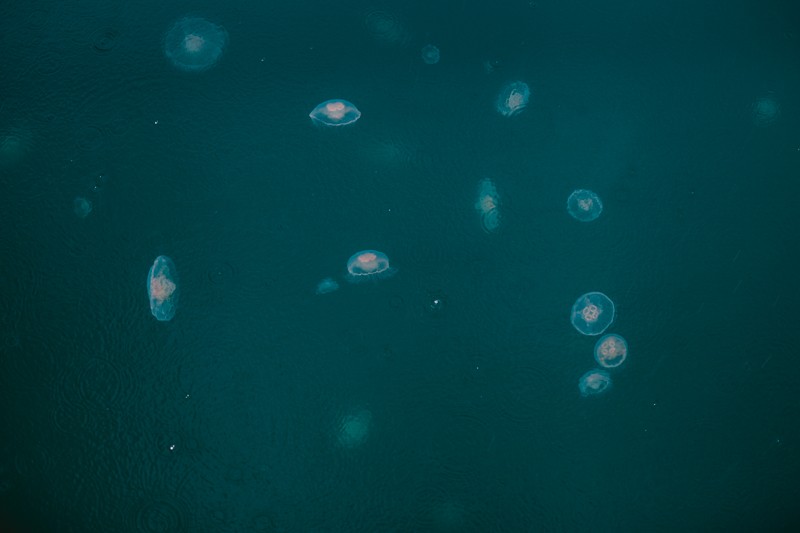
592 313
327 285
488 205
610 351
81 206
353 429
194 44
386 28
766 110
335 113
368 265
14 145
584 205
430 54
162 288
513 98
594 382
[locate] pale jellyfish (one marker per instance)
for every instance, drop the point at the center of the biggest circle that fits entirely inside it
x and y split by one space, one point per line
488 205
430 54
368 265
513 98
584 205
592 313
162 288
335 113
195 44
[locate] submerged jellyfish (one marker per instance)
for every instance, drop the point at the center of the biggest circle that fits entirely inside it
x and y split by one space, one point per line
386 28
766 111
592 313
513 98
430 54
488 205
584 205
353 429
368 265
194 44
594 382
327 285
335 113
81 206
162 288
610 351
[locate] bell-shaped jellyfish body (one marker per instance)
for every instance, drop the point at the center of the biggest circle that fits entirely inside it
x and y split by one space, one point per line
610 351
353 429
513 98
195 44
584 205
335 113
766 110
368 265
430 54
81 206
162 288
327 285
592 313
488 205
594 382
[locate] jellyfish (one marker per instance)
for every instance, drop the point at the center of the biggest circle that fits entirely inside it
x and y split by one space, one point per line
610 351
335 113
594 382
327 285
14 145
368 265
592 313
195 44
584 205
430 54
162 288
353 429
386 28
513 98
766 110
81 207
488 205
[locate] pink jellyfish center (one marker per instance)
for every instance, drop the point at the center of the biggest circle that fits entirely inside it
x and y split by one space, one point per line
585 203
368 261
590 313
161 287
515 99
487 203
335 110
610 349
193 42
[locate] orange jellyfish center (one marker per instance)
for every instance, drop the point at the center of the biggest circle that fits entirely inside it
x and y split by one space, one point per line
193 42
590 313
161 287
335 109
367 258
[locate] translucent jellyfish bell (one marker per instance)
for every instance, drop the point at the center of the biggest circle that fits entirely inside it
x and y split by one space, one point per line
368 265
592 313
594 382
766 111
610 351
488 205
513 98
353 429
162 288
81 206
335 113
326 286
195 44
430 54
584 205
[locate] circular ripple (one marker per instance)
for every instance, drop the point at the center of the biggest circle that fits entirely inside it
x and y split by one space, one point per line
221 273
159 516
103 41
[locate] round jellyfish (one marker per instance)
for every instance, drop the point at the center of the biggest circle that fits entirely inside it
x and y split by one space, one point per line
766 111
488 205
430 54
594 382
610 351
162 288
335 113
513 98
353 429
194 44
368 265
327 285
386 28
584 205
592 313
81 206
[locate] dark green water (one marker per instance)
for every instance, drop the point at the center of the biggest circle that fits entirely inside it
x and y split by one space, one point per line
463 416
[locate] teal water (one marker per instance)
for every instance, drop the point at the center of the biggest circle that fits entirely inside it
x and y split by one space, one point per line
444 398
